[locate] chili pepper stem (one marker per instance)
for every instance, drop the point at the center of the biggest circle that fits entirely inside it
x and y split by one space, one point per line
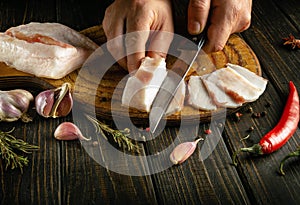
255 149
292 154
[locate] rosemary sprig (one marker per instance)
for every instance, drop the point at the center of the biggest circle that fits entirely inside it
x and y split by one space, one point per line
119 136
8 147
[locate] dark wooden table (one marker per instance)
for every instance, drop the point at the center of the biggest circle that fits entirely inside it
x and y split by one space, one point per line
63 173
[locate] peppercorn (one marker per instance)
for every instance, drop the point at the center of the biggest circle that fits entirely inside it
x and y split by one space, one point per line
263 113
256 115
251 129
250 110
268 104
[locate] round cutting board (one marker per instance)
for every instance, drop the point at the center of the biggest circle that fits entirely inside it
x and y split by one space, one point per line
111 85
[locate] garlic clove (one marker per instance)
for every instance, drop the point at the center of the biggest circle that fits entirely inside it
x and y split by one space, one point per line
54 102
183 151
64 106
44 102
14 104
9 112
68 131
20 98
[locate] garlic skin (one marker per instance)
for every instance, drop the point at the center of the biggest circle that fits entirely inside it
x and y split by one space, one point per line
183 151
54 103
68 131
14 105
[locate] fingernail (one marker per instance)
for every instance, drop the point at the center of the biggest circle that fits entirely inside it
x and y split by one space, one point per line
194 28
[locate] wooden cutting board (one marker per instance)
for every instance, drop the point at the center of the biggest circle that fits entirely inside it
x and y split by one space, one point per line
236 51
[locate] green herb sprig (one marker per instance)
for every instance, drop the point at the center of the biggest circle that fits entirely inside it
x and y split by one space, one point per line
9 148
119 136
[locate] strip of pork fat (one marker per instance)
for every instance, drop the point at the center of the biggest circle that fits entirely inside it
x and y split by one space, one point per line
235 85
198 95
256 80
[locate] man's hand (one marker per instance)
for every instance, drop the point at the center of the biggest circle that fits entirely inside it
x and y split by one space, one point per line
138 16
223 17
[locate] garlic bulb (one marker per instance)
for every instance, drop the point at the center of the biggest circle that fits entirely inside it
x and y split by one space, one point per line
68 131
183 151
14 105
54 102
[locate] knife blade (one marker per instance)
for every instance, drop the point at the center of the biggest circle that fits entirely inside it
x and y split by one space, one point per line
173 79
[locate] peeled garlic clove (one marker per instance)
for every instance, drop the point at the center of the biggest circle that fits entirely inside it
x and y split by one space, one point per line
14 104
64 107
54 102
183 151
68 131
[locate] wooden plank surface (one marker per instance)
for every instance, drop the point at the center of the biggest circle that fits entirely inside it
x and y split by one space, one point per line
64 173
279 62
202 179
259 174
280 65
87 168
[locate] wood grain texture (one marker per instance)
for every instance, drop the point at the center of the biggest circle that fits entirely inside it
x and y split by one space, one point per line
39 182
280 65
214 179
84 174
63 173
263 168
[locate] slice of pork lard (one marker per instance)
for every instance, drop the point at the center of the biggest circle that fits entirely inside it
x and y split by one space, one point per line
177 102
235 85
198 95
256 80
219 96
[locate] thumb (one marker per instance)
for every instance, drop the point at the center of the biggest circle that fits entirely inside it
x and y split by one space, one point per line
198 11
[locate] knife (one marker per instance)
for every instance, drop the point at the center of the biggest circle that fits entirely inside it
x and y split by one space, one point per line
173 79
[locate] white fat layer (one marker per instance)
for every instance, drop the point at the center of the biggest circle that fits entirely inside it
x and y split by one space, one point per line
177 102
140 93
56 31
256 80
227 87
41 60
141 89
232 82
198 95
218 96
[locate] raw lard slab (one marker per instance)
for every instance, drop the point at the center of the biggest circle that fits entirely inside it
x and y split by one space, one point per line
49 50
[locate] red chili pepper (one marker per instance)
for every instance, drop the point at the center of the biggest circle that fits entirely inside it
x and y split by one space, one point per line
292 154
282 132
